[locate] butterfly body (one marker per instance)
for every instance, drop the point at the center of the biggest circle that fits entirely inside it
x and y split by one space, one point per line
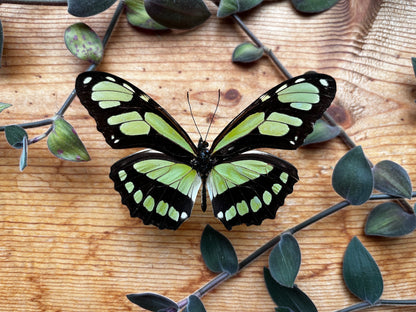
160 184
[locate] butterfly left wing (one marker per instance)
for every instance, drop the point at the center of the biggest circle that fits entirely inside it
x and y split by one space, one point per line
280 118
156 188
249 187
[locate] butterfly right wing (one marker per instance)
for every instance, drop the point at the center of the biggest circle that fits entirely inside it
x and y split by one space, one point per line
156 188
127 117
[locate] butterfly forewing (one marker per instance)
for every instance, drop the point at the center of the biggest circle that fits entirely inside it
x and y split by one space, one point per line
128 117
280 118
156 188
249 188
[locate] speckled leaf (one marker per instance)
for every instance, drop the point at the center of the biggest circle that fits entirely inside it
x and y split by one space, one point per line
352 177
3 106
84 8
361 273
322 132
178 14
64 142
391 178
84 43
285 297
414 64
1 41
153 302
15 135
247 53
138 17
313 6
218 252
284 260
194 305
390 220
229 7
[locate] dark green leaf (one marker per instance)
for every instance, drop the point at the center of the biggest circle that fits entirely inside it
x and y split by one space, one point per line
313 6
15 135
138 17
84 43
64 142
84 8
292 298
361 273
229 7
391 178
3 106
322 132
283 309
178 14
23 156
1 41
352 177
194 305
153 302
390 220
414 64
218 252
284 260
247 53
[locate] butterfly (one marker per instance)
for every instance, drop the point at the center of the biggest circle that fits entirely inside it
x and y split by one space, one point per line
160 183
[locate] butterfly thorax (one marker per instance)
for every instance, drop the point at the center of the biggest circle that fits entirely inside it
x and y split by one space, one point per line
202 162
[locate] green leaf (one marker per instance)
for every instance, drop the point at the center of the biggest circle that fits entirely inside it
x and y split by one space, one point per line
153 302
64 142
3 106
414 64
352 177
218 252
247 53
86 8
178 14
390 220
1 41
391 178
292 298
322 132
361 273
313 6
138 17
229 7
283 309
15 136
84 43
284 260
194 305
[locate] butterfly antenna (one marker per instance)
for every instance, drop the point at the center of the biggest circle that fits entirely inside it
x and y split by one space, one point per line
192 115
213 115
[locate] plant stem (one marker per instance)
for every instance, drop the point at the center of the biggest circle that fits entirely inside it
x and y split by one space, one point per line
381 302
220 278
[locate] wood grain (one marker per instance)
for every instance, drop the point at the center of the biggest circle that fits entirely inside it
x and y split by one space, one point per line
66 241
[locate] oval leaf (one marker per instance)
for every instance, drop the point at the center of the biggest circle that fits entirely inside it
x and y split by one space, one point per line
361 273
292 298
322 132
88 8
64 142
3 106
313 6
153 302
391 178
194 305
15 135
284 260
283 309
352 177
84 43
390 220
229 7
218 252
23 156
138 17
414 64
178 14
247 53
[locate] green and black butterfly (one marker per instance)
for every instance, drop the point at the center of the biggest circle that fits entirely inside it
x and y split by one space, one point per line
160 184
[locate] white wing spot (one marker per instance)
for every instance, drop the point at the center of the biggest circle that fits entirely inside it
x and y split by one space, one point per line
116 141
184 215
87 80
324 82
110 78
300 80
125 85
281 88
220 215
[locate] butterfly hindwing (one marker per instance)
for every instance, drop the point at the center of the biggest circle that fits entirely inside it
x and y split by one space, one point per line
249 188
128 117
156 188
280 118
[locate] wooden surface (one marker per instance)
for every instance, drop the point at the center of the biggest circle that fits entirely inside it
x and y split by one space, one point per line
66 241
